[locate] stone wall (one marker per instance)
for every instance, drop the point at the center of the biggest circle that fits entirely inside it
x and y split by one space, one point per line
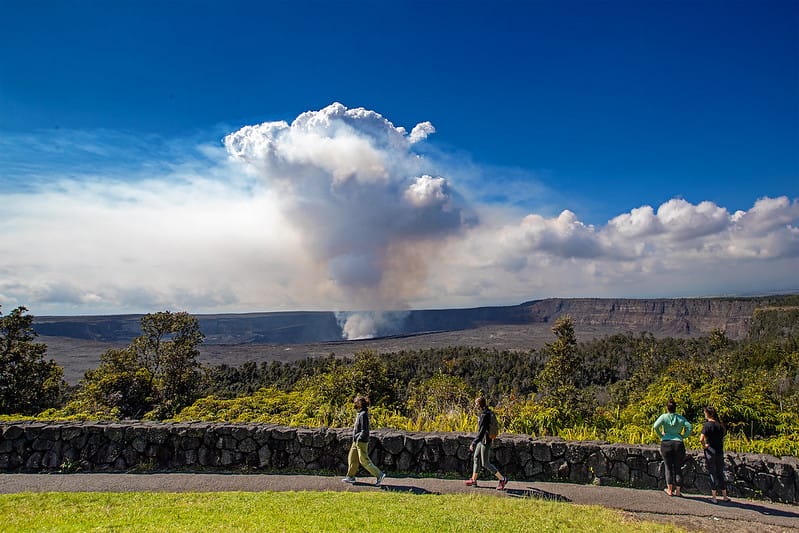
142 446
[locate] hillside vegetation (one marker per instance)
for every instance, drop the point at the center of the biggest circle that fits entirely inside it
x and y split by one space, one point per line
610 388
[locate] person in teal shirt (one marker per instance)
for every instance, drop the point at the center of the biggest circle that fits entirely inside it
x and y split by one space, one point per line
672 429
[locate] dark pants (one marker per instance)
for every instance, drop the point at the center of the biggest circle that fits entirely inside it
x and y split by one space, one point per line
482 457
715 467
673 453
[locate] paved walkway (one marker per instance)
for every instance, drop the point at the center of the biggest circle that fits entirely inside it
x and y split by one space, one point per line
694 512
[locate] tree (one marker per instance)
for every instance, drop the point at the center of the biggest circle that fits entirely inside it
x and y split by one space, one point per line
28 383
557 381
155 377
440 394
121 387
365 374
168 349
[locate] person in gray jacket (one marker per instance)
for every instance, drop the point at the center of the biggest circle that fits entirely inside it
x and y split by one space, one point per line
359 451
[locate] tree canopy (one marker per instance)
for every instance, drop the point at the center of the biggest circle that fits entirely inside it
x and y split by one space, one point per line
156 376
28 383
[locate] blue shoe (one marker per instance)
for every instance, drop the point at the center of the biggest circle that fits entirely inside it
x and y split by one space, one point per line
348 479
380 479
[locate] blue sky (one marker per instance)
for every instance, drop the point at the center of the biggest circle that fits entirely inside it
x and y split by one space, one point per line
592 108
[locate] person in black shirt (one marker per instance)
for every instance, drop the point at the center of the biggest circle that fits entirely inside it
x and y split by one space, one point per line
712 440
359 451
481 446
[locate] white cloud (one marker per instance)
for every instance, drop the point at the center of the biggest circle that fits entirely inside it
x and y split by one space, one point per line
683 250
768 214
684 220
421 131
640 222
427 191
103 246
564 236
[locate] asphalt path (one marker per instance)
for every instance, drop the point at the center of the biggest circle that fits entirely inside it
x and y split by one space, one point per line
692 511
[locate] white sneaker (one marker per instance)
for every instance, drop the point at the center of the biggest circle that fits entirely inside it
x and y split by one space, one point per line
348 479
380 479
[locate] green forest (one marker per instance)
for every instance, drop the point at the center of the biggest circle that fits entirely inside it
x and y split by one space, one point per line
611 388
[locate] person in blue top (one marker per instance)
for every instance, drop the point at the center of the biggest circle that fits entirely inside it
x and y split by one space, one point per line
672 429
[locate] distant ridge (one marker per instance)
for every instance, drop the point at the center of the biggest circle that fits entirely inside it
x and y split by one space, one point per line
676 317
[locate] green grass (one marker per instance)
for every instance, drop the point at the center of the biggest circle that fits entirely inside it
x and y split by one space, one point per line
300 511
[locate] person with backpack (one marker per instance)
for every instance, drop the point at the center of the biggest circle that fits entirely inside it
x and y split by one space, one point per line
487 430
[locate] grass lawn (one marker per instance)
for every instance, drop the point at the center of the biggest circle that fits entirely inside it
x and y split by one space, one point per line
300 511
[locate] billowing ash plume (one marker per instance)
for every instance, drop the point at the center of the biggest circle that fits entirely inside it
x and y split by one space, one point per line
366 204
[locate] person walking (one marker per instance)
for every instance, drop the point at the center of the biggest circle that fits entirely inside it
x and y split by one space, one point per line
712 440
359 451
481 446
672 429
